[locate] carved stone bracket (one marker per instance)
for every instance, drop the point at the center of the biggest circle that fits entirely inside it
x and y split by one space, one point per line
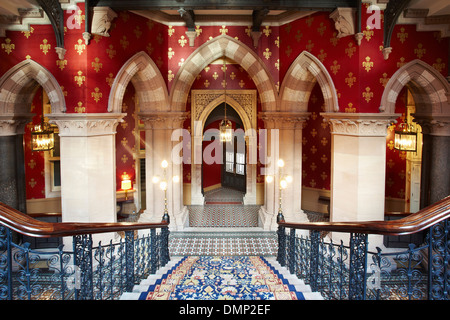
284 120
360 124
87 124
101 21
391 14
344 21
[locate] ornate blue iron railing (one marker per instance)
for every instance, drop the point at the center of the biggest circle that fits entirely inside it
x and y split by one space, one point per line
83 272
352 272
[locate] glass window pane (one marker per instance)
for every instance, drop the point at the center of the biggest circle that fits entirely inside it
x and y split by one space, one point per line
229 167
240 169
240 158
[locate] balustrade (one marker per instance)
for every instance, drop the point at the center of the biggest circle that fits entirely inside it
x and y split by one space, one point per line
352 272
87 271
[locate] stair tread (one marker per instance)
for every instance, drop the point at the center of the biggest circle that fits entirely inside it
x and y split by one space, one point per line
165 281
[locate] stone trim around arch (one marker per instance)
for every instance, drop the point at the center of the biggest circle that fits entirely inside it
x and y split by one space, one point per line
148 82
18 84
299 81
429 89
214 49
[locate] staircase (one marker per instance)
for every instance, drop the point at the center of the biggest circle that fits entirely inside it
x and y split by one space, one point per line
222 277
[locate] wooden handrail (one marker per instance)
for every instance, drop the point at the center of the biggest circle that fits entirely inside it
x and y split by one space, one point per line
413 223
26 225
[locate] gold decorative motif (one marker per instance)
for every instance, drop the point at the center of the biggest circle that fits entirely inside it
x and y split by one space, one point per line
96 94
206 83
420 51
277 64
401 63
170 31
241 83
61 64
334 39
322 55
367 95
368 33
310 45
182 41
267 54
110 79
335 67
312 183
324 175
321 29
124 42
198 30
80 46
313 132
79 78
288 51
170 53
223 30
350 108
79 108
124 142
313 166
232 76
124 158
277 42
313 149
439 65
350 50
45 46
324 141
350 80
324 158
150 24
384 80
96 64
32 164
402 35
170 75
309 21
32 183
137 32
367 64
390 145
267 31
111 52
215 75
27 34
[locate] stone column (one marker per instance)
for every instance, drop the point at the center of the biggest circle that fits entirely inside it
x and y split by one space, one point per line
158 131
12 166
88 166
358 166
285 143
435 183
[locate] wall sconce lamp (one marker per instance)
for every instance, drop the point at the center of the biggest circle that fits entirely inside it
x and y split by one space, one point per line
284 180
126 184
163 185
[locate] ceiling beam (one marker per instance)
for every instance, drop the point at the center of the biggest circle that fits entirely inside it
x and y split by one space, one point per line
226 4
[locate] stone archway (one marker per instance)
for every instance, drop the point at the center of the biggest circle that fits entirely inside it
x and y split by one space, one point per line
431 92
17 88
203 103
148 82
299 81
224 46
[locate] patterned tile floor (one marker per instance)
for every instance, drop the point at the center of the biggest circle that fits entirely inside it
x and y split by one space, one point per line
223 243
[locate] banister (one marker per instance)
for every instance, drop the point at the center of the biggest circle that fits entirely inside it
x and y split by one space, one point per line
410 224
26 225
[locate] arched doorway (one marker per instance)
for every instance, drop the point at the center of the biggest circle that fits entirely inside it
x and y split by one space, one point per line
430 91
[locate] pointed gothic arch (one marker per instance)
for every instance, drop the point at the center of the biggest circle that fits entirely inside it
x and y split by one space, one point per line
18 84
299 81
214 49
150 86
428 87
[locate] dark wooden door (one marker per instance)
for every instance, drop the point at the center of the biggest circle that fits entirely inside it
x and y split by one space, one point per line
234 169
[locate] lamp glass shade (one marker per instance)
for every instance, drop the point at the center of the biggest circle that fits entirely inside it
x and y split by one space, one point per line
405 141
226 131
42 140
126 184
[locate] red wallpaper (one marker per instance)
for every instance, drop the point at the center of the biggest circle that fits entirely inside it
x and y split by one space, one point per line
359 73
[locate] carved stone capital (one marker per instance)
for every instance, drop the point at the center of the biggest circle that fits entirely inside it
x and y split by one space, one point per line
284 120
11 125
163 120
86 124
360 124
435 125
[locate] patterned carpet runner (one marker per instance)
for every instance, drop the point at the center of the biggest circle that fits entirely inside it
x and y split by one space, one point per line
222 278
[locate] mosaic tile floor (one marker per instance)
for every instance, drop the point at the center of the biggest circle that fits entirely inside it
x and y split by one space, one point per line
223 215
223 243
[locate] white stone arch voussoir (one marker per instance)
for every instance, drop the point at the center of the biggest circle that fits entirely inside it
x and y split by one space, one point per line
18 85
212 50
149 84
299 81
429 88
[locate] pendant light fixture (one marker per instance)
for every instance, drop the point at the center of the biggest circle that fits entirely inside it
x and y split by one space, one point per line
406 137
42 136
225 126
